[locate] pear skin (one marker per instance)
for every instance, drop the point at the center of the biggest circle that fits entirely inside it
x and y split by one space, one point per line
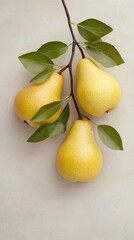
79 158
29 100
97 91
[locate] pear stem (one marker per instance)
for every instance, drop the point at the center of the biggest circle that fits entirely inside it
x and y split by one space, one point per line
69 65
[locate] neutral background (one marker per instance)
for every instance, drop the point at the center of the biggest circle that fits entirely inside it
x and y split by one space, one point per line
35 202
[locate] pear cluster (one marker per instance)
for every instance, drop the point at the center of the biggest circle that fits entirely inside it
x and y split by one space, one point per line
79 158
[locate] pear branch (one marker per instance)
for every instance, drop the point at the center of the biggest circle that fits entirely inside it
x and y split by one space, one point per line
70 27
69 65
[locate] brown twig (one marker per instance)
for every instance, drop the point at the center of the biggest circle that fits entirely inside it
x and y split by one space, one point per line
69 65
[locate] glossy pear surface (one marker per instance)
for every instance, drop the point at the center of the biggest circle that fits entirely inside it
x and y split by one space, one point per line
29 100
79 157
97 91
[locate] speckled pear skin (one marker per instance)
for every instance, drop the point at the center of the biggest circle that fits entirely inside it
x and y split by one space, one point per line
79 158
29 100
97 91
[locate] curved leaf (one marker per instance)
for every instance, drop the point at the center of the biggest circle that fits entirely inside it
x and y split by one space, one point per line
35 62
49 130
93 29
65 114
43 76
46 111
104 53
110 137
53 49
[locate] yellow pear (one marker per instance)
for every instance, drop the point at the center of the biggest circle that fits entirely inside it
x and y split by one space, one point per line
97 91
29 100
79 159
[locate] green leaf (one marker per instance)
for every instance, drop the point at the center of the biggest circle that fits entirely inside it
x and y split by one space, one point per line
49 130
65 114
46 131
53 49
104 53
43 76
35 62
46 111
93 29
110 137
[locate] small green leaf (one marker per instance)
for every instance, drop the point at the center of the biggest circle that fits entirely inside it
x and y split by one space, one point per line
104 53
45 131
43 76
46 111
93 29
53 49
65 114
110 137
49 130
35 62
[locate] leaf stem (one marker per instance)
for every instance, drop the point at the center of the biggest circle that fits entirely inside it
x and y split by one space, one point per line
69 65
74 23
